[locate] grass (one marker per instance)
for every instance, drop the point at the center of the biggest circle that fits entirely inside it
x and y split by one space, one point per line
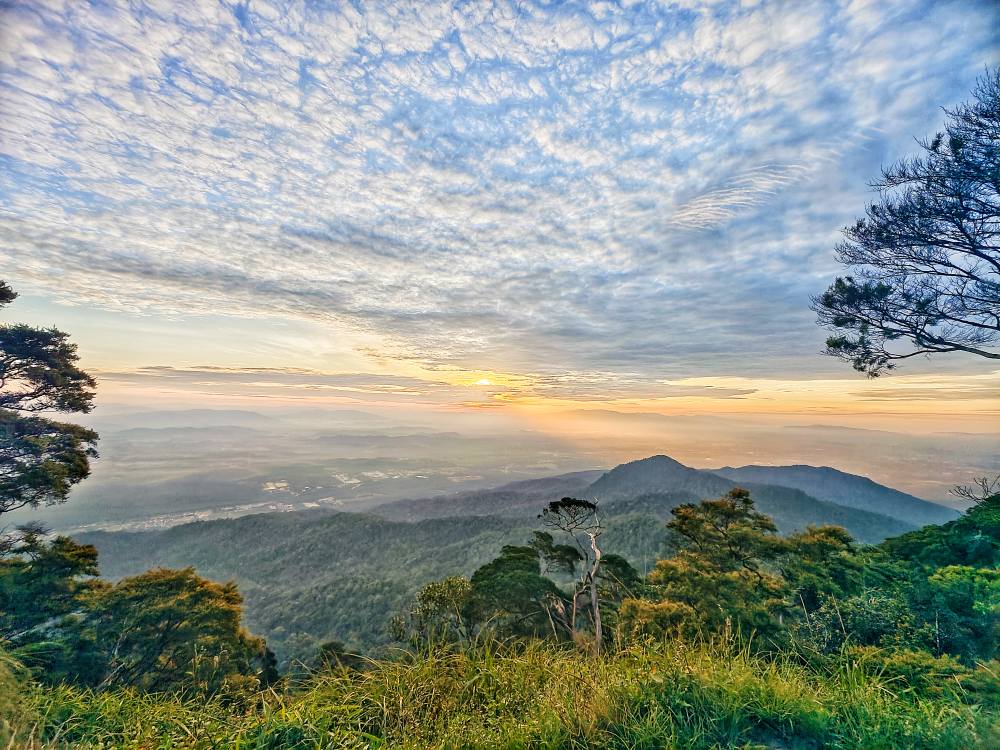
662 695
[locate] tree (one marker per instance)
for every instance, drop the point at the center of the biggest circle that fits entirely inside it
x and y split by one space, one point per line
925 260
41 581
557 558
950 578
510 594
617 579
162 630
579 519
169 629
880 617
728 533
981 489
507 596
971 598
973 539
725 570
819 563
46 586
40 458
523 591
440 613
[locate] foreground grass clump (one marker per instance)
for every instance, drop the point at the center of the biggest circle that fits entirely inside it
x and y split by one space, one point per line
17 722
665 695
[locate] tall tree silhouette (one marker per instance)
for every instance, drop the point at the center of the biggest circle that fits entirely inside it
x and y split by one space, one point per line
924 263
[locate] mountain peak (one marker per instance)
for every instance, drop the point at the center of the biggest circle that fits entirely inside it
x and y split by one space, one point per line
653 475
660 459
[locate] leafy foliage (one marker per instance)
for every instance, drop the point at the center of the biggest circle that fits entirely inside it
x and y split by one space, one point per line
162 630
933 590
167 629
513 595
440 613
723 572
40 458
820 563
579 521
973 539
38 371
871 647
41 581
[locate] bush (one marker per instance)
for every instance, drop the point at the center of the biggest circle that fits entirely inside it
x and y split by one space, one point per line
876 618
936 677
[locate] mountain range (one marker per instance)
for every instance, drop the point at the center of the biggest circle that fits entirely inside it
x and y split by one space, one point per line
323 574
795 496
850 490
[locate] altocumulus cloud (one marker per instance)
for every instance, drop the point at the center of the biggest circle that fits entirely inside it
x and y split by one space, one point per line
650 188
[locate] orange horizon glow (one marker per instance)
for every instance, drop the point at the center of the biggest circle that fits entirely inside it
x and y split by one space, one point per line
967 401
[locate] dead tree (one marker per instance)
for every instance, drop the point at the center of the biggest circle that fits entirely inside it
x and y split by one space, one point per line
579 519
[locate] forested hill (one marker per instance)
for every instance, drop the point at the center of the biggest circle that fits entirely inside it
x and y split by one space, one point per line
834 486
318 575
314 576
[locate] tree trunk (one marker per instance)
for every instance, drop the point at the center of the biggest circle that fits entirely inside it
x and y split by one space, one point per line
597 616
595 602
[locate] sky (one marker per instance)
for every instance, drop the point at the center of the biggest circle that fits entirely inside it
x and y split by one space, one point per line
521 208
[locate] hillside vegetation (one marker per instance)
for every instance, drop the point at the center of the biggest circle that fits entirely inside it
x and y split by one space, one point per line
315 576
756 640
339 575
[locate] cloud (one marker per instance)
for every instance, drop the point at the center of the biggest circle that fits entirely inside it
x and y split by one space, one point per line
490 390
557 189
287 383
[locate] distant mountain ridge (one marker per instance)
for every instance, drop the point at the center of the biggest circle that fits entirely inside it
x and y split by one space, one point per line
520 498
181 419
850 490
659 483
655 485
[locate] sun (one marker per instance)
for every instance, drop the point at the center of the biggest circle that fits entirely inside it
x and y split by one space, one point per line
484 381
